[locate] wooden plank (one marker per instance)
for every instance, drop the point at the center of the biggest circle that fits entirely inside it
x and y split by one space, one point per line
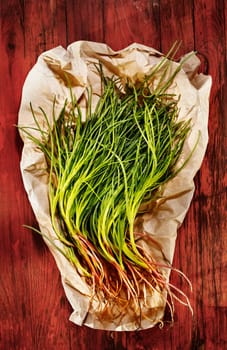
30 284
211 185
85 21
127 21
33 308
177 25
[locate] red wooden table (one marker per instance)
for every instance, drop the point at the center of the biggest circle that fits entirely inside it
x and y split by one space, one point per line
33 308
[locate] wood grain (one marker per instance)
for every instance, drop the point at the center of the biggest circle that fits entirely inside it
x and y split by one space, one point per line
33 308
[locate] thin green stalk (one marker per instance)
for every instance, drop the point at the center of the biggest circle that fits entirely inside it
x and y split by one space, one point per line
103 170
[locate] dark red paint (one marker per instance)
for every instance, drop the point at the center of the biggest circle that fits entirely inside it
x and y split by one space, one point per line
33 309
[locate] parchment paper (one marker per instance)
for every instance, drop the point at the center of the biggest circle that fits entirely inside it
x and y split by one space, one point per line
46 81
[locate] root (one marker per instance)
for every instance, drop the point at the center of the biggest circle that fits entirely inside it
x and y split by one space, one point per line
133 290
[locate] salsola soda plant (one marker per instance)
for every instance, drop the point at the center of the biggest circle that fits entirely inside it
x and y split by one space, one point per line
102 171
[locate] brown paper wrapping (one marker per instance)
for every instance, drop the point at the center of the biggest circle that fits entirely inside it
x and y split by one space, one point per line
46 81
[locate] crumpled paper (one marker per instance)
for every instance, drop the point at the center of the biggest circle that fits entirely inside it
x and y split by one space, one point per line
45 82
